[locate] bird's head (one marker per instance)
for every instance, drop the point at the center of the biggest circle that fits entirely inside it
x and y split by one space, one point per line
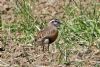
55 23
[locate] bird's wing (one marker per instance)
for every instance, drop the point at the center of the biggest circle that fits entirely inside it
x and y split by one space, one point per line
46 32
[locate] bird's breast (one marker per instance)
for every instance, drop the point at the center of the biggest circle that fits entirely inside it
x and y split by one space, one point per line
53 36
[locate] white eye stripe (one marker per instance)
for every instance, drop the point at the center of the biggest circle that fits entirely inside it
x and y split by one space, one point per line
52 20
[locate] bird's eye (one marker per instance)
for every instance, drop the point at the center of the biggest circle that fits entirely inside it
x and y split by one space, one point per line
55 23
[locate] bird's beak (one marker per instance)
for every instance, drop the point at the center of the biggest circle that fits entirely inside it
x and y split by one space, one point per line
60 22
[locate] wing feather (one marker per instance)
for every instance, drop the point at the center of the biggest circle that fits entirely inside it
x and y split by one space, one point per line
49 32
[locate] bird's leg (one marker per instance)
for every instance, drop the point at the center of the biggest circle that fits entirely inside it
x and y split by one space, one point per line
43 48
48 47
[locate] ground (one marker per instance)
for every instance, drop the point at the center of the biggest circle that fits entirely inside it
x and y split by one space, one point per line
26 56
75 46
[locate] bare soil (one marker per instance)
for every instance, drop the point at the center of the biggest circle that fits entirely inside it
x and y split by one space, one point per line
26 56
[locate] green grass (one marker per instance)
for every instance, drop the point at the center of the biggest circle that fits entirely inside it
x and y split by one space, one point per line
80 25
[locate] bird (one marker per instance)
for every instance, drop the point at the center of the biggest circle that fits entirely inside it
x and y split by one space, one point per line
48 34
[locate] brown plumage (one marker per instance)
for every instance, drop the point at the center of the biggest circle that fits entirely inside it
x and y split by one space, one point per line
49 34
